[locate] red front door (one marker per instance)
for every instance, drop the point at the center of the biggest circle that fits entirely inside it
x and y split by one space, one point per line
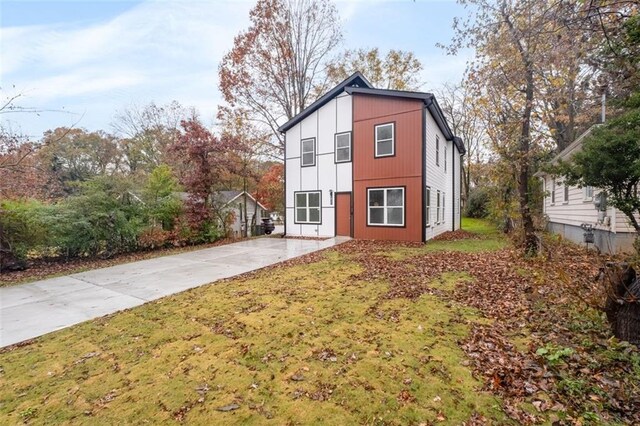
343 214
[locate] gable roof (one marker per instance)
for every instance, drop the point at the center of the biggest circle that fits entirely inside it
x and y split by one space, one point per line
430 102
574 146
354 80
225 197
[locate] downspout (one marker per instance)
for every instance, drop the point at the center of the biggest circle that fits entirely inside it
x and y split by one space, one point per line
424 173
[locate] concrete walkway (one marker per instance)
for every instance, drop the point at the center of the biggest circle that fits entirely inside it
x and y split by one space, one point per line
31 310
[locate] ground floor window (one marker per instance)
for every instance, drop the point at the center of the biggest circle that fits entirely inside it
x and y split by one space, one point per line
427 206
308 207
385 206
438 207
442 215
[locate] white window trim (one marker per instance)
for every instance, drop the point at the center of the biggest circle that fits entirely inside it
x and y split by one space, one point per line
565 193
584 194
427 206
302 152
437 150
335 144
438 207
553 192
385 207
307 208
444 220
393 140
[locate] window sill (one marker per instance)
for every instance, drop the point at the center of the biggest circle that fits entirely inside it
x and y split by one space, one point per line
565 203
588 200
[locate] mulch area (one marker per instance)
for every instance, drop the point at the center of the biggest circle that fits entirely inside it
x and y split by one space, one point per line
42 268
535 298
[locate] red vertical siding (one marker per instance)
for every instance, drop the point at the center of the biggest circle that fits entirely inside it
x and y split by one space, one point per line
402 169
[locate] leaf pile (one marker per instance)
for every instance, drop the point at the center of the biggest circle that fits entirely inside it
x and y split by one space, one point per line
566 369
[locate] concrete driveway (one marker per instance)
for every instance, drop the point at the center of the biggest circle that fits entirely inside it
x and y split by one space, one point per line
31 310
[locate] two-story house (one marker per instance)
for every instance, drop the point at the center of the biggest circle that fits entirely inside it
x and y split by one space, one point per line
371 164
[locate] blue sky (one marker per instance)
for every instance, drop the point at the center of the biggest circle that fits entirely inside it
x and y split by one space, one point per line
81 60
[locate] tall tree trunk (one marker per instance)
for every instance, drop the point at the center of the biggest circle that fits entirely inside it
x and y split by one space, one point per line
530 240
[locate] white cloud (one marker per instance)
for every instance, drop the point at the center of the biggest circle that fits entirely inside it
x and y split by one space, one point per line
155 51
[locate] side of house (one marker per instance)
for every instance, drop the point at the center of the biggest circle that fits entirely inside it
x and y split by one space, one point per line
567 208
371 164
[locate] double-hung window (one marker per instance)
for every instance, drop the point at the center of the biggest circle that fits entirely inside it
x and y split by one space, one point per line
445 159
553 191
427 211
308 152
385 140
385 206
308 207
565 192
343 147
442 215
588 193
437 150
438 207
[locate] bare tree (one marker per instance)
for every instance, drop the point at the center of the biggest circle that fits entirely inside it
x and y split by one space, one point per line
459 108
277 66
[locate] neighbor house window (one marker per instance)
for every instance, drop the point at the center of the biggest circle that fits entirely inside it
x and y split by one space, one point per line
343 147
588 193
308 207
386 206
438 207
437 150
553 191
565 192
308 152
427 211
385 140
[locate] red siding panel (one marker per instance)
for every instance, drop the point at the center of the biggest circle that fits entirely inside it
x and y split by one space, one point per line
402 169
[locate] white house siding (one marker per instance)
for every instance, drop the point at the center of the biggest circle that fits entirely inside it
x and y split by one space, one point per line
565 219
326 176
574 212
436 178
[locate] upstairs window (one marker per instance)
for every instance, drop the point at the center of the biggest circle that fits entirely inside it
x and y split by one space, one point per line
307 206
385 206
343 147
445 159
385 140
437 150
308 152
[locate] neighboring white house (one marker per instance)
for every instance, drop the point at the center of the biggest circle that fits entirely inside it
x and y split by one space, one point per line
569 207
234 202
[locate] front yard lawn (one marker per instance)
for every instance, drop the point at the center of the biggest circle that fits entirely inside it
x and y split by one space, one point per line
363 333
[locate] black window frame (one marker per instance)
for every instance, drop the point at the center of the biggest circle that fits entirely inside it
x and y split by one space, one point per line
302 152
335 147
385 207
393 139
307 207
